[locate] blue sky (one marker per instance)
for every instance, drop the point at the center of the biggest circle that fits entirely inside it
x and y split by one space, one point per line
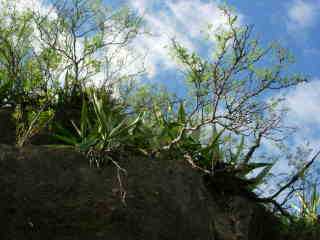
293 23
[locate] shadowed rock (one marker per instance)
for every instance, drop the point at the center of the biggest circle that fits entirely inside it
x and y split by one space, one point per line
52 193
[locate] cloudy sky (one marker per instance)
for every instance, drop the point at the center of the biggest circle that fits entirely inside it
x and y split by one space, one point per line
293 23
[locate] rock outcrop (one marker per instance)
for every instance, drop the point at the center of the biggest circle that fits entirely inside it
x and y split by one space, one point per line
53 193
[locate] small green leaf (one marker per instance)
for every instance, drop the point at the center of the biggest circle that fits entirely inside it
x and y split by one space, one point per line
261 176
181 114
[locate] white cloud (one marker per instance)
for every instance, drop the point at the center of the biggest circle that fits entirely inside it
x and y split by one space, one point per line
141 5
195 15
302 15
304 103
180 19
304 113
35 5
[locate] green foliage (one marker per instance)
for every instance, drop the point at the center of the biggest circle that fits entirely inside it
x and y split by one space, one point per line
4 90
235 157
99 29
81 139
112 127
305 221
24 69
164 125
15 45
308 207
31 124
229 88
103 127
209 155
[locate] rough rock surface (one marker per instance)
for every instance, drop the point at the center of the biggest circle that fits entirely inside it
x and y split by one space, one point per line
52 193
7 126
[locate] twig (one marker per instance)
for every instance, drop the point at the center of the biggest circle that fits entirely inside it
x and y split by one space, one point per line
253 148
123 192
189 160
276 205
296 177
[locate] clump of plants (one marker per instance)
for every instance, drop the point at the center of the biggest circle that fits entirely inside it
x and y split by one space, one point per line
30 123
103 128
305 220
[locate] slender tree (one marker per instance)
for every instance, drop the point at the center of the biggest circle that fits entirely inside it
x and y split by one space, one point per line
82 33
232 90
15 52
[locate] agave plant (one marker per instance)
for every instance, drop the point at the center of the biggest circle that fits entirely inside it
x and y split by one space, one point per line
243 167
308 207
213 157
102 127
111 127
83 139
165 127
209 155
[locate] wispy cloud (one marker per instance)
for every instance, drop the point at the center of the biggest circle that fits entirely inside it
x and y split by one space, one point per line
38 6
183 20
302 15
304 103
304 113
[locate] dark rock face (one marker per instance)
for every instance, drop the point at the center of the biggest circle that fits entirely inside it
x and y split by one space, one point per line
7 126
52 193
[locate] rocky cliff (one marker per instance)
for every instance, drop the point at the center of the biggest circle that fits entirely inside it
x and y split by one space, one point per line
52 192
